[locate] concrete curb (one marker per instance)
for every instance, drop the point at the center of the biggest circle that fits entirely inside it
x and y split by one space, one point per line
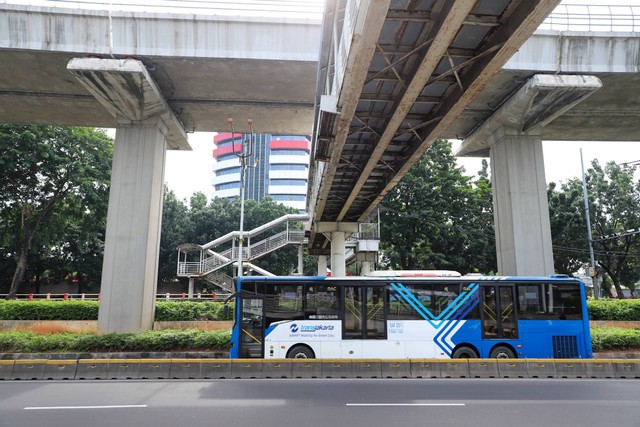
118 368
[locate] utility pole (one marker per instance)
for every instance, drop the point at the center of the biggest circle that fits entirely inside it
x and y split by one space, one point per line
596 285
245 152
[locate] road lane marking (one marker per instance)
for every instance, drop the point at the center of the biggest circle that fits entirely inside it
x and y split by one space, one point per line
405 404
40 408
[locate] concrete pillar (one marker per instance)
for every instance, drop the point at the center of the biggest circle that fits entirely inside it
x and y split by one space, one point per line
521 209
300 260
130 266
338 249
365 268
337 233
192 281
322 265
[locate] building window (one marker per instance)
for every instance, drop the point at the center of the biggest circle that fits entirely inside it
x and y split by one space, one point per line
288 197
288 182
289 153
228 186
288 167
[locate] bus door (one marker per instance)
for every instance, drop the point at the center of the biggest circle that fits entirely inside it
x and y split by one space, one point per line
252 329
364 317
498 314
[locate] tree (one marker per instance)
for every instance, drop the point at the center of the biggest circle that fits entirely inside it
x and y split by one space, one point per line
436 218
47 170
614 207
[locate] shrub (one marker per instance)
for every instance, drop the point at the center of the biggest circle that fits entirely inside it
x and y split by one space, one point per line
613 309
88 310
604 339
166 340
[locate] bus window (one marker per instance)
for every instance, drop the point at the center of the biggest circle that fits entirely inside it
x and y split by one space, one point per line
375 312
283 302
322 302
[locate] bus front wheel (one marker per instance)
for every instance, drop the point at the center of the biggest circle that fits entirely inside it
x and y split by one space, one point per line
502 352
464 353
300 352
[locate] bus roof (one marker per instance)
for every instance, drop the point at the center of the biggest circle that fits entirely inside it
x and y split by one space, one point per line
413 273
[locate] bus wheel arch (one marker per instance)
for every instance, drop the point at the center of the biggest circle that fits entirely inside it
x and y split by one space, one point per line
301 351
503 351
465 351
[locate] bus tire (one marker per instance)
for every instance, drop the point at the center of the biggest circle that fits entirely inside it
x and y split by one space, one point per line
464 352
300 352
502 352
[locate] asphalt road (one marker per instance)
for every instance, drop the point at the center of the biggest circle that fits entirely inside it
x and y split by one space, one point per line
322 403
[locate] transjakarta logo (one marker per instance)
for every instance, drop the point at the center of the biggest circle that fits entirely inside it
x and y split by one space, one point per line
310 328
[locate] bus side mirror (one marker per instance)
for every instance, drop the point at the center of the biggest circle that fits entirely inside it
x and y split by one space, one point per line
225 311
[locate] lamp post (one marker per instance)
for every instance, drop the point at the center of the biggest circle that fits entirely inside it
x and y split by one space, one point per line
245 152
596 286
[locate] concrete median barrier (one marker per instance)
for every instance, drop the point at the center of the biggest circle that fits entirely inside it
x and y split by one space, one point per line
337 368
60 370
541 368
6 368
92 369
366 368
187 369
400 368
277 368
124 369
599 368
28 369
570 368
512 368
246 368
215 368
154 369
483 368
625 368
454 368
425 368
306 368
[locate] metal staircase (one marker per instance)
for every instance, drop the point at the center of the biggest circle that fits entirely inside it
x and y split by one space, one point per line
219 253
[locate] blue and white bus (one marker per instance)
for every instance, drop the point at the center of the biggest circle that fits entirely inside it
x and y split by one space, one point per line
410 317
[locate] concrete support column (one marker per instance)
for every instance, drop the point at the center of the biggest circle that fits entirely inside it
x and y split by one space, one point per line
300 260
322 265
521 209
338 249
365 268
130 266
337 233
192 282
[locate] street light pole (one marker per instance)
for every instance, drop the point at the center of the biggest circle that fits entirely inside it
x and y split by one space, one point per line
596 286
243 155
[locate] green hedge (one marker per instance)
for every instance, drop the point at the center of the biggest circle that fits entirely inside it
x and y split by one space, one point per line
88 310
165 340
614 309
615 339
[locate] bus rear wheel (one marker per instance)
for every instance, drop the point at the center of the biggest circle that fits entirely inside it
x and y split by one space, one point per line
502 352
464 353
300 352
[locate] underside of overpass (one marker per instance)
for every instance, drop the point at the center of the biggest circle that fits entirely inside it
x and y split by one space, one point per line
394 76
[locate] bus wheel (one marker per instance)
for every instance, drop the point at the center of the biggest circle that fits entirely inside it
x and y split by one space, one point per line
502 352
300 352
464 353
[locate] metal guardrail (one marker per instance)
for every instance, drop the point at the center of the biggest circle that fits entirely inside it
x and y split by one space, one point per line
590 17
216 296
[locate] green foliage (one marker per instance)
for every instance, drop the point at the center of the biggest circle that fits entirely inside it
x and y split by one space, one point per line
48 310
437 218
166 340
603 339
619 310
88 310
54 186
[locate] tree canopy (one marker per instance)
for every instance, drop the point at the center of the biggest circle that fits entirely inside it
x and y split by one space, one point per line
54 191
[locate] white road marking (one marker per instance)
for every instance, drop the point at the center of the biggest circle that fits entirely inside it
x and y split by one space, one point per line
405 404
40 408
